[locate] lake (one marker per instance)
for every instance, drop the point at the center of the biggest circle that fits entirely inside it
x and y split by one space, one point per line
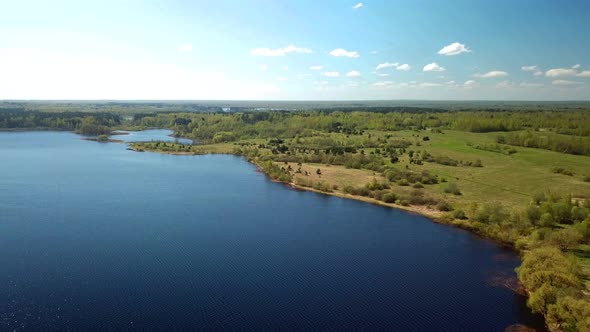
96 237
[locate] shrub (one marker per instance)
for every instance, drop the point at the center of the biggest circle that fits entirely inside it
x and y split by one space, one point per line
566 238
322 186
491 213
533 214
224 136
403 182
579 213
546 220
452 188
389 197
444 206
562 170
459 214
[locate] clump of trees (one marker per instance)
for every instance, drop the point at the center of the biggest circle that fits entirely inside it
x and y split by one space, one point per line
394 174
553 280
498 148
548 141
276 172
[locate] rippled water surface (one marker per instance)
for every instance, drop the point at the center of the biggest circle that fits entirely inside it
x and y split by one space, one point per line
96 237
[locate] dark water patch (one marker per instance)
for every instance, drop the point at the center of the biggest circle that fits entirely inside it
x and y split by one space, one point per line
95 237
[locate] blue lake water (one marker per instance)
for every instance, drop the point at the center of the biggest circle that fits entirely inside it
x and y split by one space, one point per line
96 237
149 135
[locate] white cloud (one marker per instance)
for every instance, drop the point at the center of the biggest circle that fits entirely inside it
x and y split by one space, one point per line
450 82
344 53
263 67
387 65
428 85
373 52
492 74
321 83
585 73
279 51
43 74
382 83
556 72
331 74
565 82
530 68
527 84
433 67
454 49
316 67
302 76
282 79
186 47
358 5
538 73
576 66
285 68
382 74
404 67
353 73
470 84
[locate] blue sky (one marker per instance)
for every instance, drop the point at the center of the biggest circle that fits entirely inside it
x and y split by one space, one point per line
295 50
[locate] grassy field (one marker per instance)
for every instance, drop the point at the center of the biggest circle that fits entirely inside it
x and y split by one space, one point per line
508 179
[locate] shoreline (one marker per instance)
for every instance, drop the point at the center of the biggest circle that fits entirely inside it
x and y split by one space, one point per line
431 214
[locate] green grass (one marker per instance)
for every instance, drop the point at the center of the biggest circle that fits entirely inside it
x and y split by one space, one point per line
507 179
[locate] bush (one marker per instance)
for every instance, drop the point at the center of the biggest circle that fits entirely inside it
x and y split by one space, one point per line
566 239
403 182
444 206
452 188
491 213
224 136
547 220
459 214
579 213
389 198
562 170
322 186
533 214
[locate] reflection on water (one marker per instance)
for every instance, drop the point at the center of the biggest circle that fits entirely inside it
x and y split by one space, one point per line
149 135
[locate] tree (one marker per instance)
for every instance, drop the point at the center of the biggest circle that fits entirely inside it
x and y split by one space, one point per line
566 238
546 272
389 198
569 314
533 214
546 220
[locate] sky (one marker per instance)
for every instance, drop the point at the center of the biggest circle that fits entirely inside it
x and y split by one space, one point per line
295 50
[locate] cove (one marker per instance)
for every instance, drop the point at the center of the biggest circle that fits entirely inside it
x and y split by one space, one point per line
96 237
